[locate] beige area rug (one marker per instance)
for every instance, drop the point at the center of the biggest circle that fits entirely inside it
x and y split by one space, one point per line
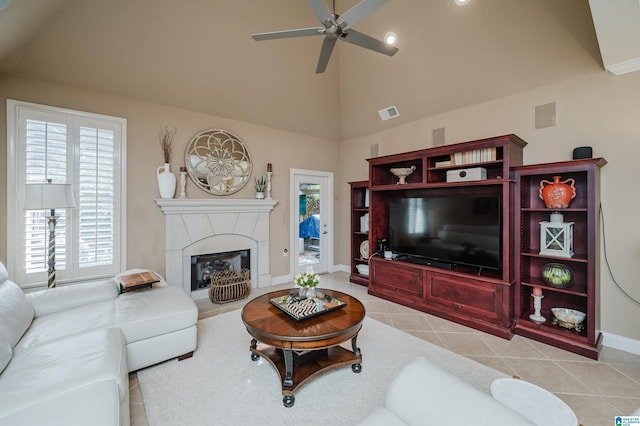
220 385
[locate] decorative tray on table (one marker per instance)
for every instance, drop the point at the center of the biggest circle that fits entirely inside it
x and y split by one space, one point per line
301 307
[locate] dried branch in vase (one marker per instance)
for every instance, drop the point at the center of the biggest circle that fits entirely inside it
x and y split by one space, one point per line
166 139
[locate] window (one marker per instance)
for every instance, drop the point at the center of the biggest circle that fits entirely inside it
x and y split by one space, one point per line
77 148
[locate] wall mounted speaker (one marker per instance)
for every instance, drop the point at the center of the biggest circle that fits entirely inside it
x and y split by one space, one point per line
582 152
545 115
438 136
373 150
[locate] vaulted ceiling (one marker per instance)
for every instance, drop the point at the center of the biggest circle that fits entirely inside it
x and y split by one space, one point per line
198 55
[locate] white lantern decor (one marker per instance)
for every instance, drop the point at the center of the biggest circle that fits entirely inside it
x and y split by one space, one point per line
556 237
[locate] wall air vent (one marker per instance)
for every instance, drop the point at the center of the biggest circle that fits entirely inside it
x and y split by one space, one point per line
388 112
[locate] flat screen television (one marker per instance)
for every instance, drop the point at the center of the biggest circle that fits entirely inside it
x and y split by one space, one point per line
460 229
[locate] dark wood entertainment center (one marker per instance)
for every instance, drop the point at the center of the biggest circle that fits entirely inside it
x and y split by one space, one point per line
495 301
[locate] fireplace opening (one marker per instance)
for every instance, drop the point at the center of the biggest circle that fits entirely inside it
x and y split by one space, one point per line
206 266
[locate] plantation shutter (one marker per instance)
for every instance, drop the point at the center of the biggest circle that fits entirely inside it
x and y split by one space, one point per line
46 158
96 197
70 147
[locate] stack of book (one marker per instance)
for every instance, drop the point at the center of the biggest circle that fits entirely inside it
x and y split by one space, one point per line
137 280
469 157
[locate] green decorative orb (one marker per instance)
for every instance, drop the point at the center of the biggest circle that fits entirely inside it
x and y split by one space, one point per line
557 275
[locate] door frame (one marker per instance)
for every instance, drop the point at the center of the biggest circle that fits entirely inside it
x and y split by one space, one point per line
326 205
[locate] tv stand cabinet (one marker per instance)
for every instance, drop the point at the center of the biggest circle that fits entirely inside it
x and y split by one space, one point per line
457 295
483 301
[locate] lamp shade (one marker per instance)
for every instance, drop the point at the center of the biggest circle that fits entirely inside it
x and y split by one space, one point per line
48 196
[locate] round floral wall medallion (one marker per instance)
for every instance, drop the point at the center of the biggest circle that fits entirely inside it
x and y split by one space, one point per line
218 162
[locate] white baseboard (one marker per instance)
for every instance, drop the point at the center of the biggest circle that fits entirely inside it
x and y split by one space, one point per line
340 268
622 343
282 279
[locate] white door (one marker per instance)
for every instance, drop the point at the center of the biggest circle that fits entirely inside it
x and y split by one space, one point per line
311 220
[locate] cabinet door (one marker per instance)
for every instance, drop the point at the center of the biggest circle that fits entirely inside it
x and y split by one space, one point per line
470 297
396 278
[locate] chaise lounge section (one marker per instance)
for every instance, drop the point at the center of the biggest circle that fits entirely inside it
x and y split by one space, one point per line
65 353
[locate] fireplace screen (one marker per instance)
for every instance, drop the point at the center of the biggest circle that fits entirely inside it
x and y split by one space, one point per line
206 266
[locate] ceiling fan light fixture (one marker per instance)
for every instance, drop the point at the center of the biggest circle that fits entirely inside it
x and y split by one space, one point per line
336 27
390 38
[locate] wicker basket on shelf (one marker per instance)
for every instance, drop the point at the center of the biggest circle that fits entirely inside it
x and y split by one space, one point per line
229 285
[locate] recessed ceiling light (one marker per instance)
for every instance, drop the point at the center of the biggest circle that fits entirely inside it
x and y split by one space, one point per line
461 2
4 4
390 38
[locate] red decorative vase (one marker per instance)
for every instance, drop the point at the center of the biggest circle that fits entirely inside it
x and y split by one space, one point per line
557 194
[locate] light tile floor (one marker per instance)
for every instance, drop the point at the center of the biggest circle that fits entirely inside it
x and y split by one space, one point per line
595 390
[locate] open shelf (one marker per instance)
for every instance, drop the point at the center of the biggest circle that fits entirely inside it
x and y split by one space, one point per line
583 213
480 298
359 208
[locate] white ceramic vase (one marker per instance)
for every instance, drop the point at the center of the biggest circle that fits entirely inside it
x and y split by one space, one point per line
308 292
166 181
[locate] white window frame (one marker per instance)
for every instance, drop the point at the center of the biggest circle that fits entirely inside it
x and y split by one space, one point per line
15 195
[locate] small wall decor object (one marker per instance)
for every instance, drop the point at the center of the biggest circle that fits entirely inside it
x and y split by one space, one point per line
557 194
401 173
218 162
260 185
556 237
183 182
269 173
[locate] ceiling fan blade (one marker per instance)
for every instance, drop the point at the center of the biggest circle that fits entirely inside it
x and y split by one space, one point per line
302 32
322 12
357 12
325 54
363 40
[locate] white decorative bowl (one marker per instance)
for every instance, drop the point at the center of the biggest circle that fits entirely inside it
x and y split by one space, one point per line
568 318
363 269
401 173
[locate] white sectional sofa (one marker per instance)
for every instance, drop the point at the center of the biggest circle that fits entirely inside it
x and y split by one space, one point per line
424 394
66 353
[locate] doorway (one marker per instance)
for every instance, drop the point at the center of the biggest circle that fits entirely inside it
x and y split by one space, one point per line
311 221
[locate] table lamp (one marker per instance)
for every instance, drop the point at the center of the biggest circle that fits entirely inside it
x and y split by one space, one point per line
52 196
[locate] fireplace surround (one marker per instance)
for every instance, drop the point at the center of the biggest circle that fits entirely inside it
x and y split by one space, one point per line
204 226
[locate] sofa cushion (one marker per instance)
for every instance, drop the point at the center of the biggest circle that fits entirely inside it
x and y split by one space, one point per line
58 299
16 313
147 314
54 368
67 323
70 409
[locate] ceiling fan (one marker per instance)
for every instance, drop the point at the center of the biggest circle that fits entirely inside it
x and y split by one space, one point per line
336 27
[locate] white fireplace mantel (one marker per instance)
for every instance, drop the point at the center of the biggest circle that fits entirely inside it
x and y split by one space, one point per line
214 205
203 226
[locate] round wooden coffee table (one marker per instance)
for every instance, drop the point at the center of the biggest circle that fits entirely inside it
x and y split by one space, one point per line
302 349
